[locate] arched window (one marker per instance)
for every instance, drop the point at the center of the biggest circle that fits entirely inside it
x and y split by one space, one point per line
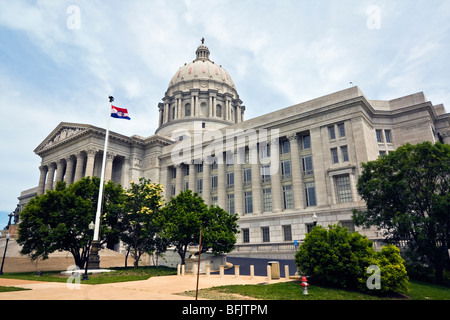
219 111
187 110
203 109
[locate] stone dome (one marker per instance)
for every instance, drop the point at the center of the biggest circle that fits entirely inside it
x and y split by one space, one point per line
202 69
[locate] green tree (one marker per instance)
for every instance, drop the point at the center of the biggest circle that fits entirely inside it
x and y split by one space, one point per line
138 221
334 257
186 214
59 219
407 193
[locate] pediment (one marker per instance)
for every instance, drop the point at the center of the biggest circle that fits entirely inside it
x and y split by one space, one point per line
63 133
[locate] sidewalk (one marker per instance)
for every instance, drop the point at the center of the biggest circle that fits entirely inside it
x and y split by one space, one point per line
155 288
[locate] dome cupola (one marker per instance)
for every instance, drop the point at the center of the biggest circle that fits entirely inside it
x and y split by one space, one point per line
200 91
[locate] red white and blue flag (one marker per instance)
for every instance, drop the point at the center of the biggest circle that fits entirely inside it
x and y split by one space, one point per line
119 113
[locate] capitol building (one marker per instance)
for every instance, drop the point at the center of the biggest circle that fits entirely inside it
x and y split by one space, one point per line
281 172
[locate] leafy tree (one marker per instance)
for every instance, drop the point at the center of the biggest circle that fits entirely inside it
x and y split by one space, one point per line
407 193
59 219
334 257
186 214
138 222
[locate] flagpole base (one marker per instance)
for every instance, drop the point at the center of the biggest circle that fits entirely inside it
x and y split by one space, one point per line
94 257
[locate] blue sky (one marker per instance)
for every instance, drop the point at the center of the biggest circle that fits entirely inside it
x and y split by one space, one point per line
60 60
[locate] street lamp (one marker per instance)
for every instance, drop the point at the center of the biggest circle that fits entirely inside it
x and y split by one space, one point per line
91 228
314 219
4 253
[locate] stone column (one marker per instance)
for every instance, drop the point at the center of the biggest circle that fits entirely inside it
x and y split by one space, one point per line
90 162
256 179
297 179
192 180
238 190
179 179
60 170
126 172
41 186
51 173
79 167
210 113
166 112
206 194
193 111
275 180
109 166
68 178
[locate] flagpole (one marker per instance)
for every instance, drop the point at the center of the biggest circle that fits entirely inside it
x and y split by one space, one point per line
102 178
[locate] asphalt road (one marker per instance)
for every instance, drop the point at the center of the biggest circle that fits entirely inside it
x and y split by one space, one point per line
260 266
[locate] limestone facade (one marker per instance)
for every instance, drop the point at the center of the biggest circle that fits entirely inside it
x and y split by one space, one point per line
276 171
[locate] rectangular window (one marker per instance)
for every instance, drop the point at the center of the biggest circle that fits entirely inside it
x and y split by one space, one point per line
174 173
214 201
199 168
267 200
264 150
288 197
379 135
245 235
332 133
247 175
382 154
214 182
306 142
387 135
248 202
200 185
310 194
334 155
173 190
230 180
286 169
186 185
349 224
344 152
341 129
287 233
186 170
307 165
285 147
265 173
343 189
265 234
230 199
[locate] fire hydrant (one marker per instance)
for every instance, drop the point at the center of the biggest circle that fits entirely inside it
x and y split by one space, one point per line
304 285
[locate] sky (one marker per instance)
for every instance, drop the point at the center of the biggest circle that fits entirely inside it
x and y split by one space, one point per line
60 60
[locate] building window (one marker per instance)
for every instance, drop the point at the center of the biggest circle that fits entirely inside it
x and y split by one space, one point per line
186 185
382 154
341 129
285 147
219 111
174 173
265 173
343 189
288 197
214 165
334 155
265 234
310 194
247 176
230 199
349 224
187 110
267 200
307 165
332 133
306 142
287 233
214 201
214 182
387 135
286 169
245 235
173 190
199 168
379 135
248 202
344 152
230 180
200 185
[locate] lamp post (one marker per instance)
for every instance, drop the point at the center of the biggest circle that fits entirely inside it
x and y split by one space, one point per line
4 253
91 228
314 219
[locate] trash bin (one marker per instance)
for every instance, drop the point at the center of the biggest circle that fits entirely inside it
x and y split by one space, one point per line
275 267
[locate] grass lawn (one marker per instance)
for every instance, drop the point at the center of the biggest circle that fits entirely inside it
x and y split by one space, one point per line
293 291
118 275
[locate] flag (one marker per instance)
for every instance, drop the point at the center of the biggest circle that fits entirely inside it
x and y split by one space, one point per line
119 113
